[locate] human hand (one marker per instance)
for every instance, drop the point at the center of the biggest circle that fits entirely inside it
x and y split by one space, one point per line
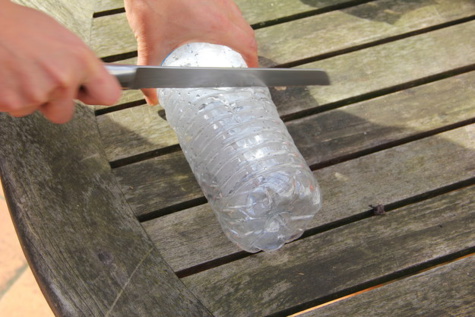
161 26
44 67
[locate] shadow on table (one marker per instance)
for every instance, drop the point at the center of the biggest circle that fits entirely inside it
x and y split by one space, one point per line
388 11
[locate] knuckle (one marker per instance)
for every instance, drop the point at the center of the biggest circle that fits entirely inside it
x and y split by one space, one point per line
61 81
34 97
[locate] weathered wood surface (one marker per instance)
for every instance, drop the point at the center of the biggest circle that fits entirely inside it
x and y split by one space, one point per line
193 236
443 291
353 75
89 254
107 5
352 256
323 33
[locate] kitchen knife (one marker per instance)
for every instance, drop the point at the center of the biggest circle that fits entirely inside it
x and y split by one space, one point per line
137 77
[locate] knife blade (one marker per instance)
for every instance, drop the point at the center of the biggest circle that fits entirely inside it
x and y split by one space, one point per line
137 77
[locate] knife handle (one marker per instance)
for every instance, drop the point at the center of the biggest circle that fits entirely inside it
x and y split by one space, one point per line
125 74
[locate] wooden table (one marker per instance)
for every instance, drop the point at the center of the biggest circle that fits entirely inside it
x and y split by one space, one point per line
114 223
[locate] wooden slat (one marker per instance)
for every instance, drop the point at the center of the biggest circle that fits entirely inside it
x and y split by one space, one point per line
443 291
314 35
87 250
193 236
135 130
339 260
353 75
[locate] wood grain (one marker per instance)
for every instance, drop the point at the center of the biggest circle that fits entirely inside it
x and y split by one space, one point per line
431 293
337 260
106 5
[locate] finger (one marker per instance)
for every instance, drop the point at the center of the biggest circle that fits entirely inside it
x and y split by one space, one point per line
242 37
237 34
100 88
239 40
247 48
60 108
58 111
250 55
244 42
146 58
23 112
151 96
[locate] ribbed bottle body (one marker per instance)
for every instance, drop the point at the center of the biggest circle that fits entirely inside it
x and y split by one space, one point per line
244 159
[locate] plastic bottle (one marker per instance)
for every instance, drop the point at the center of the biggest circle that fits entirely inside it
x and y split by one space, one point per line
256 181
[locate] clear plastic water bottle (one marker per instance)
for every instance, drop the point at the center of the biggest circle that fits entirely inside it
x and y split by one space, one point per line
255 179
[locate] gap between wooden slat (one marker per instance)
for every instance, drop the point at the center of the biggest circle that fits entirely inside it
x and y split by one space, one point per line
119 107
145 156
307 14
119 57
378 286
173 208
108 12
377 283
333 225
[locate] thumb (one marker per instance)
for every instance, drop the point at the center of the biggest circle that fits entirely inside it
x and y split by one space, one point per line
145 57
151 96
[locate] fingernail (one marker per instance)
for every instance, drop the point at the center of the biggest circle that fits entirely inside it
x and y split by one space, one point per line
151 102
